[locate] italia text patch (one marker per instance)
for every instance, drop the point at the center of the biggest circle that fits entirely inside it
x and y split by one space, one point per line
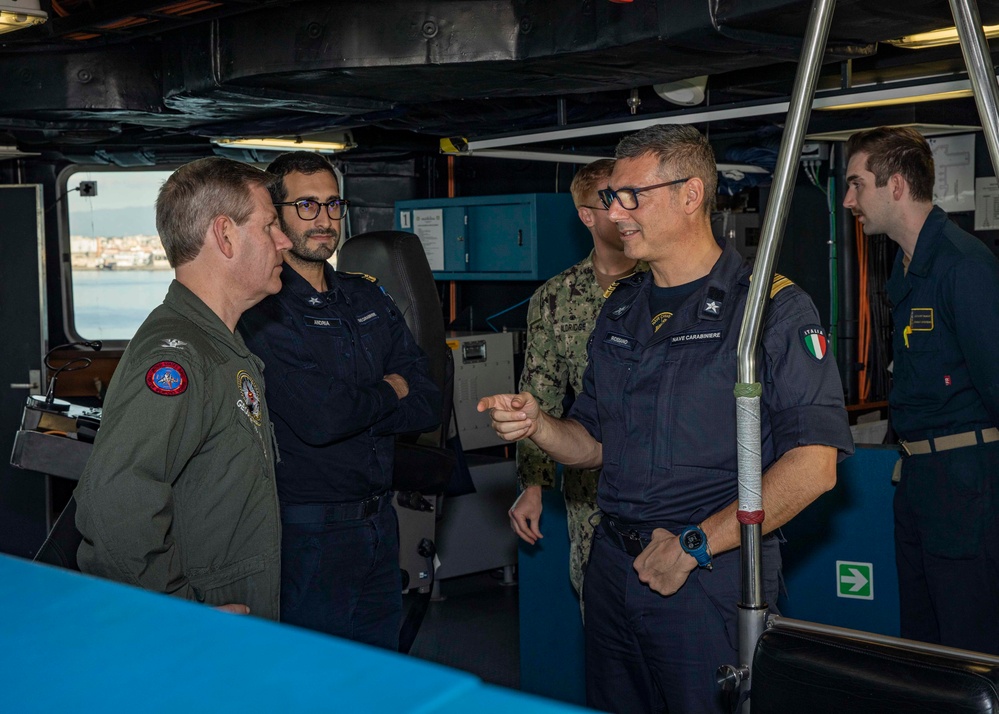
615 340
167 378
710 336
813 339
323 322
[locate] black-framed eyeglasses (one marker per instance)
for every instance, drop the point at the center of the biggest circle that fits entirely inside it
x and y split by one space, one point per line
308 210
628 197
595 208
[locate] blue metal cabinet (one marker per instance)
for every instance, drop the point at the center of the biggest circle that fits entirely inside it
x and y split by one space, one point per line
529 236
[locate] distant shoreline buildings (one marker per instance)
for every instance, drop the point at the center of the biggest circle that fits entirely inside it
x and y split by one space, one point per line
137 252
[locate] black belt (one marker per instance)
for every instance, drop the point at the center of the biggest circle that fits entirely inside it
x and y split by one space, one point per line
630 540
333 512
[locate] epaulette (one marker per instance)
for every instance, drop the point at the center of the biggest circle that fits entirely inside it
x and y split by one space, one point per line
780 282
369 278
613 286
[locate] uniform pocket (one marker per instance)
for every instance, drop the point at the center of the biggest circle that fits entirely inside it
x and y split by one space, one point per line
226 584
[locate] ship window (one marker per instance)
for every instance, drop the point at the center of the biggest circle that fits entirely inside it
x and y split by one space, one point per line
118 270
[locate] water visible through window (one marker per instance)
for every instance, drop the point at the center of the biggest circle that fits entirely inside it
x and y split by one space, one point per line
119 270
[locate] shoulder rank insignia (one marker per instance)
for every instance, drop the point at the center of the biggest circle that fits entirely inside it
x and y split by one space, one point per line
611 289
369 278
779 283
167 379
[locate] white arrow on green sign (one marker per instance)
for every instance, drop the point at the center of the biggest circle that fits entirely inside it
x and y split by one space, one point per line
855 580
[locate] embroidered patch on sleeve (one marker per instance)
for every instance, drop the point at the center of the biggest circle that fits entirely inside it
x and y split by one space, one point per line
813 338
167 378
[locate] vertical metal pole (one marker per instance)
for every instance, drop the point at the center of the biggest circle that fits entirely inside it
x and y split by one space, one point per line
753 608
979 63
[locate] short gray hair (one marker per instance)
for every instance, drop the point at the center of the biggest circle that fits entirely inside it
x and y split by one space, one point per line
196 194
681 150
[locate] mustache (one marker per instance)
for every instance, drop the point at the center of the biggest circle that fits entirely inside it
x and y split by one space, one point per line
331 232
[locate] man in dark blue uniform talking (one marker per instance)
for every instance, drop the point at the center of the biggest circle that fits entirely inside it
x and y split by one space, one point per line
344 376
657 413
944 290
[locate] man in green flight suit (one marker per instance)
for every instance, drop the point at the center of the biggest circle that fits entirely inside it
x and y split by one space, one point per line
559 321
179 496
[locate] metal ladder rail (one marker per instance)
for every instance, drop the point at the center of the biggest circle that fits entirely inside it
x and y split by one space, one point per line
975 49
753 609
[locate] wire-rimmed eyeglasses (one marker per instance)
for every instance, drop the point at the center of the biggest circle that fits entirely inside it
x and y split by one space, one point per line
308 210
628 197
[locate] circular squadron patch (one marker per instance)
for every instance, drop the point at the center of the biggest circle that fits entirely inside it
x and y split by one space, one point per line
250 401
167 378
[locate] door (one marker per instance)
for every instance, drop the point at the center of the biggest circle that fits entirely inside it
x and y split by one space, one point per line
22 307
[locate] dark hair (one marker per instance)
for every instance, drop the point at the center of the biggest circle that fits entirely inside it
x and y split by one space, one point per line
303 162
591 177
681 150
896 150
196 194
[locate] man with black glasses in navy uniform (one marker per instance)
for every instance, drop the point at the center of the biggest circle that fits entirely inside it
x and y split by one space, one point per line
657 414
345 375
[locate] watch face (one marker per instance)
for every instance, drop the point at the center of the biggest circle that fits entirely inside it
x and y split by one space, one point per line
692 540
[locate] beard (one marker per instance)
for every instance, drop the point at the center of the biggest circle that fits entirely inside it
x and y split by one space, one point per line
300 244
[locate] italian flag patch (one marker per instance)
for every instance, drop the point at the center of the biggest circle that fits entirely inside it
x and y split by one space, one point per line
813 337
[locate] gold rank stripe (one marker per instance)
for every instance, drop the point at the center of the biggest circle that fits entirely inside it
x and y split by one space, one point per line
612 288
780 282
367 277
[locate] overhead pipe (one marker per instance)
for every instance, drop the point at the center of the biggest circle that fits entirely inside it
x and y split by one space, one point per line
753 608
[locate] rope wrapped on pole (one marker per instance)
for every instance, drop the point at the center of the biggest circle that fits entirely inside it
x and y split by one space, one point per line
747 419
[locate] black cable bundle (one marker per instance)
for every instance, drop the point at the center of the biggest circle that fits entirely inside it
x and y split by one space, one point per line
881 256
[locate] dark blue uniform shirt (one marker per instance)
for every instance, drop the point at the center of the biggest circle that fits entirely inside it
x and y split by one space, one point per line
662 403
334 416
946 341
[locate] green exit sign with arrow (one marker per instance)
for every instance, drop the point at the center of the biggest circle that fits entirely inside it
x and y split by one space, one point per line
855 580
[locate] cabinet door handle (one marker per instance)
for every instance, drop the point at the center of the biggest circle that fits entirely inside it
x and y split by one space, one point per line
520 236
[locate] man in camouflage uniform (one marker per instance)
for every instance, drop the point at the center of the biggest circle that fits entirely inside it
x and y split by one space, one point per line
560 318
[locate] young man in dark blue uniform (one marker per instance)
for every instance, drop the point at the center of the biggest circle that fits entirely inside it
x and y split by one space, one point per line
944 290
657 412
344 376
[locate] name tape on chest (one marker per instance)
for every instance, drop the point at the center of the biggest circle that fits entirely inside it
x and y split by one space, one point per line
621 341
696 337
322 322
367 318
168 379
921 319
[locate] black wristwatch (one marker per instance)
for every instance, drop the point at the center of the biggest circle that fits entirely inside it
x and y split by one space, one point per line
695 543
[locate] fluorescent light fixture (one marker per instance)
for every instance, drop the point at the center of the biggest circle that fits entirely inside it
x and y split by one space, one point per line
889 96
341 143
18 14
938 38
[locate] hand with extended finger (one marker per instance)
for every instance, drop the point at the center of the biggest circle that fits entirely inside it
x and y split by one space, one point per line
514 416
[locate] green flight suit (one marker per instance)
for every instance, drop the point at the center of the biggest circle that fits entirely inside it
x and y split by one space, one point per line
179 494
